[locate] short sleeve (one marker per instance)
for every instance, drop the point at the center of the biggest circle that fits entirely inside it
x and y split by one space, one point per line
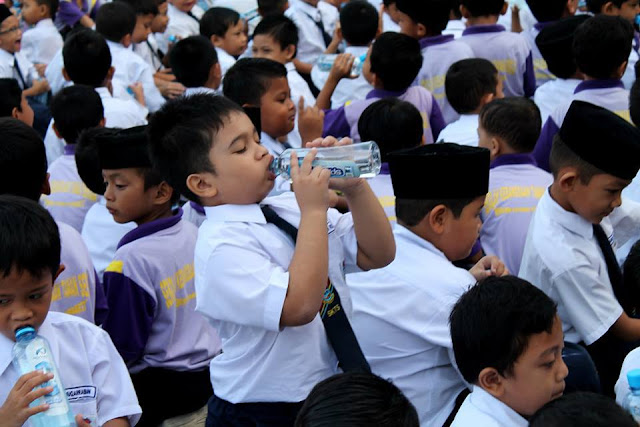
590 305
344 228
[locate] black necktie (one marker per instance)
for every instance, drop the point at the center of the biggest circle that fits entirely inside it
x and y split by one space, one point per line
613 269
325 36
193 16
16 67
336 324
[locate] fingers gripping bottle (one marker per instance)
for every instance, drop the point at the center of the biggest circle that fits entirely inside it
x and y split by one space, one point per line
32 352
345 161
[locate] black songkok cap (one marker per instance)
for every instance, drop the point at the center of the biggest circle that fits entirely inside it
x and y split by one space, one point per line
440 171
602 138
555 42
5 12
124 148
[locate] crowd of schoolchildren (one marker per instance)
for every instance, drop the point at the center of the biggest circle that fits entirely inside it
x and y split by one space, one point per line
489 275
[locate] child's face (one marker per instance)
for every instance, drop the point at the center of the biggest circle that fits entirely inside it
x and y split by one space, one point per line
24 300
538 374
10 35
628 10
143 28
241 163
599 198
32 12
235 39
183 5
264 46
277 110
161 20
462 232
409 27
127 200
25 114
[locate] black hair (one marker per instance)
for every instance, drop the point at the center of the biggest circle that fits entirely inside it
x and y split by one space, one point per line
282 29
388 3
468 81
562 156
10 97
411 211
393 124
356 400
433 14
191 60
115 20
595 6
250 78
88 160
268 7
483 7
634 102
23 162
547 10
515 120
396 59
182 133
601 44
483 336
74 109
582 409
359 22
87 58
29 238
142 7
217 20
52 5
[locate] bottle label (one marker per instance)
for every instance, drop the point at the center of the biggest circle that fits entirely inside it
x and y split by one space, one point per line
39 359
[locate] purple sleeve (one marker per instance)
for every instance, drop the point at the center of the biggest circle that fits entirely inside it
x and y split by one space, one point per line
542 149
335 123
102 308
529 77
131 312
436 121
69 13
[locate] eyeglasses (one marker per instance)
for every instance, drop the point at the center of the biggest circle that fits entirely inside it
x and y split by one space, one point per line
10 30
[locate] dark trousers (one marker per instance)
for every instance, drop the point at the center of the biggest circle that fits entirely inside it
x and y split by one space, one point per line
272 414
165 394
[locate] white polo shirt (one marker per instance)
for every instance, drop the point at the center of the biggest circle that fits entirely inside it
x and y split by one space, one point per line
40 43
480 409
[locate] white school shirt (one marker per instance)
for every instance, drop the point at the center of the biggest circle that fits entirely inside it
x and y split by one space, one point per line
96 379
463 131
562 257
299 89
552 94
275 149
347 89
7 60
225 60
194 213
130 69
260 360
53 73
401 319
631 362
455 27
101 234
148 50
42 42
481 409
311 43
118 113
180 25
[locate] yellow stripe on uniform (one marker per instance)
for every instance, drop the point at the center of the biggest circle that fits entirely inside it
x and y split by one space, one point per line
114 267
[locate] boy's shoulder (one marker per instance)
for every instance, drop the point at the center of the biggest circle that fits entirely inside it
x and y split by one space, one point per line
73 328
481 408
161 238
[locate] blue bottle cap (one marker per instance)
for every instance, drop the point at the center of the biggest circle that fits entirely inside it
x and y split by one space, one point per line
25 330
634 378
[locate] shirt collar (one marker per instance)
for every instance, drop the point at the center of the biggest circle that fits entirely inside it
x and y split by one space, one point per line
598 84
384 169
290 66
235 213
310 11
569 220
7 57
116 46
70 149
514 159
196 207
431 41
103 92
150 228
403 233
357 50
481 29
45 23
486 403
381 93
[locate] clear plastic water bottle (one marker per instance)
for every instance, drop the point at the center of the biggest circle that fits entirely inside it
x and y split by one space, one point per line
346 161
632 402
32 352
325 62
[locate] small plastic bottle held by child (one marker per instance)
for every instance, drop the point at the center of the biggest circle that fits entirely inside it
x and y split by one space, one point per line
632 402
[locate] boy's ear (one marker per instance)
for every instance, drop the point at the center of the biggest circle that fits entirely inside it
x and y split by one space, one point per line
464 12
164 192
492 382
621 69
571 7
102 123
486 98
609 8
15 113
202 185
46 187
496 147
422 31
61 268
65 74
111 72
505 8
44 10
437 218
127 40
216 40
290 51
55 130
567 179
